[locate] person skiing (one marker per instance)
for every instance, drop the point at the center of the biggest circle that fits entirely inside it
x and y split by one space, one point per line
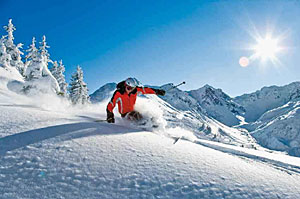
125 97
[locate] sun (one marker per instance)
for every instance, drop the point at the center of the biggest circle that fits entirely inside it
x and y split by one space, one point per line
266 48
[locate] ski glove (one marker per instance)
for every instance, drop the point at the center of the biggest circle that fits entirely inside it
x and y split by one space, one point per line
160 92
110 117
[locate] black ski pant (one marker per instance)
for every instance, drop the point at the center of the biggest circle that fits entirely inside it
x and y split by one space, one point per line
133 115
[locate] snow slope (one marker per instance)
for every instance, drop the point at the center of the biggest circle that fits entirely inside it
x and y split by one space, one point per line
98 160
48 152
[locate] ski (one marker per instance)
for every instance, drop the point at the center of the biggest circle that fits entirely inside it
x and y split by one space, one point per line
176 140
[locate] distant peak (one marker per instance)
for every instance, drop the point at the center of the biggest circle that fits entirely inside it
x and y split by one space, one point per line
207 86
168 84
109 84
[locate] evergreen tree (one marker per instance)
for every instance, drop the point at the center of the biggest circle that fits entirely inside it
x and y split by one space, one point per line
37 74
78 88
32 64
44 52
4 57
32 56
10 28
32 52
58 72
12 49
54 70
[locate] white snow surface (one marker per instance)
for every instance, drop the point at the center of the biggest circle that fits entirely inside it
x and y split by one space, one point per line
51 152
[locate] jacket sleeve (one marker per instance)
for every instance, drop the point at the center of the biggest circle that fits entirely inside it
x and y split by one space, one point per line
111 105
146 90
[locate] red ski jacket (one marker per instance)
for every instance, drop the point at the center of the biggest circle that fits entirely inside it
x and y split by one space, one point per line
126 101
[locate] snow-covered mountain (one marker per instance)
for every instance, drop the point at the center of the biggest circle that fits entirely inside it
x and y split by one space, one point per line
103 93
266 99
279 128
218 105
273 117
196 119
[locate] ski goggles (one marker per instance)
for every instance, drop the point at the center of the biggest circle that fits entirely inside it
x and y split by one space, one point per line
129 87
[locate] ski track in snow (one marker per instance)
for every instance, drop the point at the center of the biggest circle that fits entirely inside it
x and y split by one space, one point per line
290 168
47 154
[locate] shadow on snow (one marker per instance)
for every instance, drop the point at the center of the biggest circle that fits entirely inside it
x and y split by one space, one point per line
65 131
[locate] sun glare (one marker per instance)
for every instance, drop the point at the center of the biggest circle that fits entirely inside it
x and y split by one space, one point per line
244 61
266 48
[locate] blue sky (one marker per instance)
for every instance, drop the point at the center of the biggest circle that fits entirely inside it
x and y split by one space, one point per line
159 42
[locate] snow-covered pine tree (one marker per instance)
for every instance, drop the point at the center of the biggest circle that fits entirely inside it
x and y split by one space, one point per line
37 75
32 52
13 50
44 52
58 72
5 58
33 58
78 88
7 69
54 70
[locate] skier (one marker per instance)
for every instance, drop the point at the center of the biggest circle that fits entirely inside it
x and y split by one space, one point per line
125 97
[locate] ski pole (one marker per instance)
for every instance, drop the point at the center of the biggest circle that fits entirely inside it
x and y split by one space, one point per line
176 86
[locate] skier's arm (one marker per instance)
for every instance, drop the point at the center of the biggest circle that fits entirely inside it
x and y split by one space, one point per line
146 90
112 103
110 107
